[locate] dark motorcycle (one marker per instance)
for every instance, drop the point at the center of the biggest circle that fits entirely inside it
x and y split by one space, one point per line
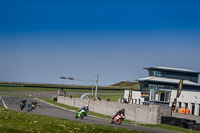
22 105
118 119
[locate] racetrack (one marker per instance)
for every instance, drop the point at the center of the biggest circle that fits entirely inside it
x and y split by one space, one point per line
54 111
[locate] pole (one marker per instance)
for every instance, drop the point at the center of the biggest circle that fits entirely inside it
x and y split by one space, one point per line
92 88
96 85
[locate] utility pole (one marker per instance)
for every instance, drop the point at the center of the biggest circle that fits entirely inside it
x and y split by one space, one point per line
96 85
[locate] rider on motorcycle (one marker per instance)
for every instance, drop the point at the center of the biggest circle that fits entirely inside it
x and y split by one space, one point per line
120 112
23 103
84 108
33 104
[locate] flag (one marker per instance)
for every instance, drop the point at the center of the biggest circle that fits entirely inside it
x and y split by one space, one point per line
180 86
130 95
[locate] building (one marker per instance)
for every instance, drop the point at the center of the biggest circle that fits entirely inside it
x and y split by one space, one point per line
160 88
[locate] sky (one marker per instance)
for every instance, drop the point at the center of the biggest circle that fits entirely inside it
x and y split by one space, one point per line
43 40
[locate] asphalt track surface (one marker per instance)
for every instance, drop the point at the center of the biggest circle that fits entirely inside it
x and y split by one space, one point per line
55 111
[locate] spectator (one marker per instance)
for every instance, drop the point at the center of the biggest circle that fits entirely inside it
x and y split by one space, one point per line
187 111
176 109
70 96
98 98
125 100
181 110
107 99
64 93
120 100
174 105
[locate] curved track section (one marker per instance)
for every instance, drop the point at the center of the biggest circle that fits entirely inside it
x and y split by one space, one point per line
55 111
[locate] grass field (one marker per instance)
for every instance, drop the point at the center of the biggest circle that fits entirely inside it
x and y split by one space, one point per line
114 95
38 89
20 122
26 89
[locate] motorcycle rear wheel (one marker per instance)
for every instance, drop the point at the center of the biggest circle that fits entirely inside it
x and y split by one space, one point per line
111 121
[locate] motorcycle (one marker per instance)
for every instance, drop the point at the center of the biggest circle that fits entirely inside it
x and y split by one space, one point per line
22 105
118 119
81 114
30 107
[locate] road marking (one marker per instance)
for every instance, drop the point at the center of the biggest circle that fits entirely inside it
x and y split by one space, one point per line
4 104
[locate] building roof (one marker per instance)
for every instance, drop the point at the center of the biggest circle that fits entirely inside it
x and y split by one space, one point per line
173 69
167 80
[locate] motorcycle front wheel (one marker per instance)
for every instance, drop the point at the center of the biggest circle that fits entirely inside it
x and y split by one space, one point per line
119 121
82 115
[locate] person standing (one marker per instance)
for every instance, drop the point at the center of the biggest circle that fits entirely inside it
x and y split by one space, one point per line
173 107
181 110
187 111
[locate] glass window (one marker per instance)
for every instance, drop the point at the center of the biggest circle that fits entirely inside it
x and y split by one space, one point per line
156 95
179 104
186 104
151 73
193 108
199 109
162 96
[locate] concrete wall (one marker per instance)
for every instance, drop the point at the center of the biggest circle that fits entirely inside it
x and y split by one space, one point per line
191 117
135 112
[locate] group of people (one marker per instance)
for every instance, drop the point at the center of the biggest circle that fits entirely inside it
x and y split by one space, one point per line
184 111
181 110
123 100
97 98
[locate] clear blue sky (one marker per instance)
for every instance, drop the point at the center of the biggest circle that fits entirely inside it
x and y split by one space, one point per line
43 40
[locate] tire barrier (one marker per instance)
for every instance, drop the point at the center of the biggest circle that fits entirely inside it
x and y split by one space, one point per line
180 122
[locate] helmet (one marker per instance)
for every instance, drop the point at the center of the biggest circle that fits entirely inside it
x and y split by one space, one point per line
87 107
123 110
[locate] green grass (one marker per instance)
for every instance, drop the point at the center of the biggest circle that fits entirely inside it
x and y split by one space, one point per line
26 89
35 89
20 122
61 86
40 89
